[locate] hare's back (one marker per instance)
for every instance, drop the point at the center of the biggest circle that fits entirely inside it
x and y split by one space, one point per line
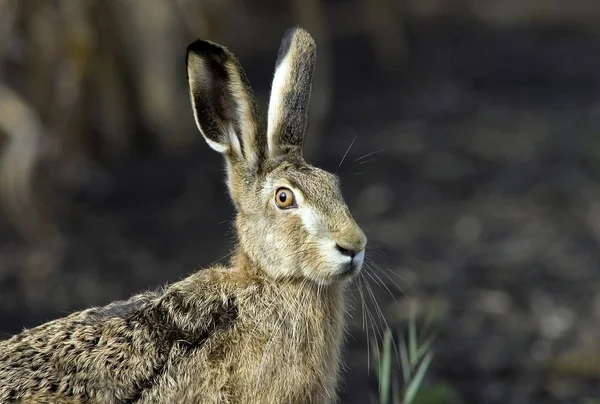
94 355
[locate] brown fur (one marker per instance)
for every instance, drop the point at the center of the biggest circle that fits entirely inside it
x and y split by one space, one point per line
266 329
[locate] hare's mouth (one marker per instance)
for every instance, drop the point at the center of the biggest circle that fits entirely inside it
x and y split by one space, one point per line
351 267
348 270
338 262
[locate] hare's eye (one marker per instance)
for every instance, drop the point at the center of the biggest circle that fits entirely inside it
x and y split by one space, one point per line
284 198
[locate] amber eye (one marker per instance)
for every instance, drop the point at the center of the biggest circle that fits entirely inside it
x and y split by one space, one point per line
284 198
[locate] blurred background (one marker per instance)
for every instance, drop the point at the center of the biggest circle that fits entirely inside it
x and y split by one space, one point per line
471 136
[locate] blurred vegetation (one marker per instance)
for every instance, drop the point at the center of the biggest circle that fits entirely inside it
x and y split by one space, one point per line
83 82
87 83
414 354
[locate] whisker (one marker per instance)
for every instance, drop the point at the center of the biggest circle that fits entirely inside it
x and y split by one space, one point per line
368 154
368 265
365 319
362 303
374 322
377 307
229 254
382 268
375 249
345 154
381 315
379 281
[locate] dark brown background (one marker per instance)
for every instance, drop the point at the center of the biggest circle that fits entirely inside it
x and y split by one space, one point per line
482 191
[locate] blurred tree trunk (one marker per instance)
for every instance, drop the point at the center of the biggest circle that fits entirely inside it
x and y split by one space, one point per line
20 156
152 27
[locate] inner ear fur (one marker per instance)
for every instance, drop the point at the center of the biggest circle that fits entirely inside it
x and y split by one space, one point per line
223 103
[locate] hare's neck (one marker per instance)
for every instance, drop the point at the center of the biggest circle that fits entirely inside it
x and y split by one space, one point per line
298 331
319 309
296 328
307 316
297 300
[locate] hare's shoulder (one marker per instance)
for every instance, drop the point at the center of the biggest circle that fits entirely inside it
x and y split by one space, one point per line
118 350
69 359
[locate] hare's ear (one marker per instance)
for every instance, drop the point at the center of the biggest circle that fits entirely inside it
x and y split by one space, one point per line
223 102
290 93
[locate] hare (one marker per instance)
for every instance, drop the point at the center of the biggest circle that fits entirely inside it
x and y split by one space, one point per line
268 328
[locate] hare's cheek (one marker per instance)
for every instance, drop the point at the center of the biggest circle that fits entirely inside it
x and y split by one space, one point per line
312 222
332 257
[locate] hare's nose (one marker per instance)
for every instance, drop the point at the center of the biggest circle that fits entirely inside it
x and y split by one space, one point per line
350 249
350 242
347 251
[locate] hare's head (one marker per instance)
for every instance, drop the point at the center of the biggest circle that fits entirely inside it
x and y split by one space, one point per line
292 220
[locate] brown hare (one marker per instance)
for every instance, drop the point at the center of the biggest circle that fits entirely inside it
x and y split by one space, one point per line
266 329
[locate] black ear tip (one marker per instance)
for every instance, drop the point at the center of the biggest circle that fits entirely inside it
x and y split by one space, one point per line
201 46
207 49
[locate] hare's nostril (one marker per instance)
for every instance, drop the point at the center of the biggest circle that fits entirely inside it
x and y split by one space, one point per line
345 251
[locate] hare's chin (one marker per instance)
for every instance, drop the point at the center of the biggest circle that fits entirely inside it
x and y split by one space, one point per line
347 270
338 273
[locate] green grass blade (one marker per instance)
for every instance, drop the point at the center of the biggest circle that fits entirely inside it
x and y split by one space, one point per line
425 347
404 362
412 339
376 358
385 376
415 383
